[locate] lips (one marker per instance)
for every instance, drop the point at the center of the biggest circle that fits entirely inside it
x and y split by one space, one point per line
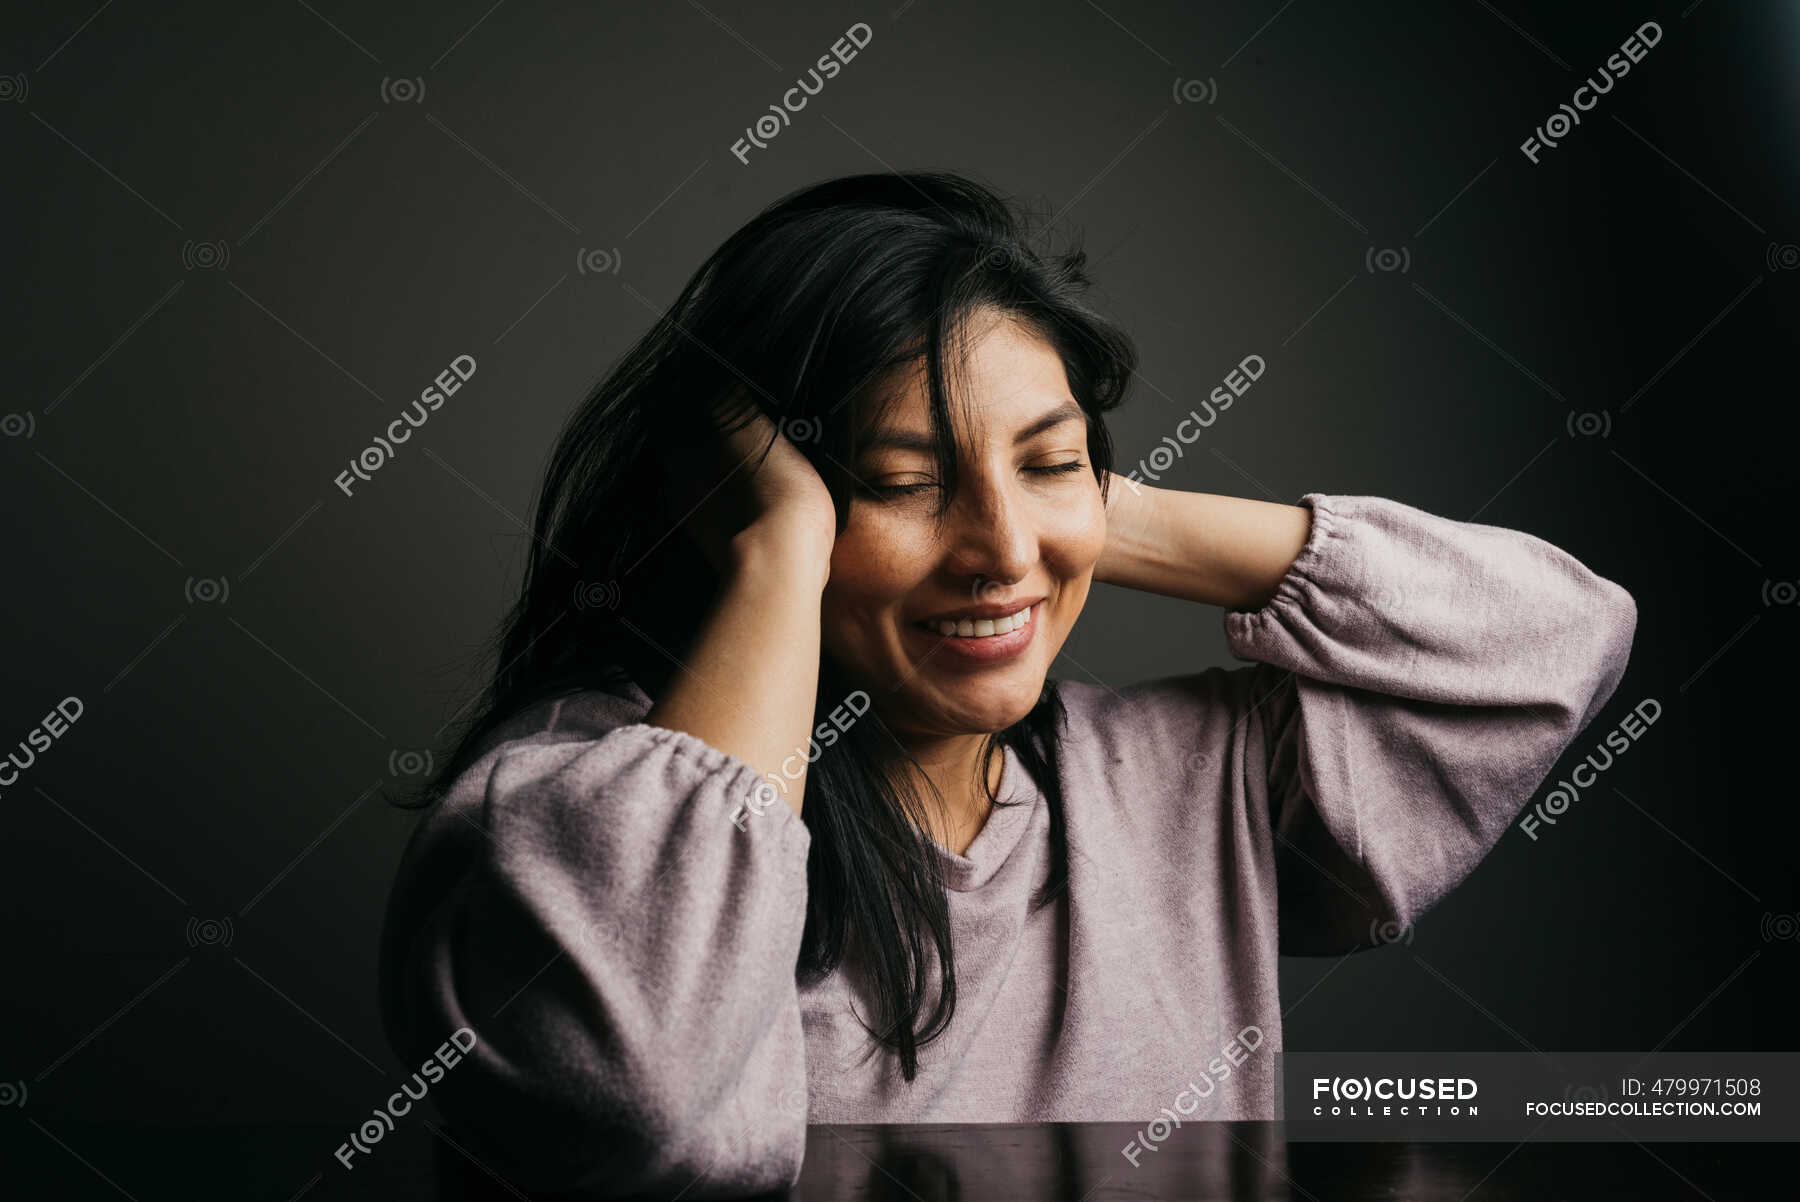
957 652
979 627
981 621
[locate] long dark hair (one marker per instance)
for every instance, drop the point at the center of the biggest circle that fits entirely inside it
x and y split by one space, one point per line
803 313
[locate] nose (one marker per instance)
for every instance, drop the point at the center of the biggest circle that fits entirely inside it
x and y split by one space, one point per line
989 531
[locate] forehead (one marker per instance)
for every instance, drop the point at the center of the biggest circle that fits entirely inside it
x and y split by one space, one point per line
1005 377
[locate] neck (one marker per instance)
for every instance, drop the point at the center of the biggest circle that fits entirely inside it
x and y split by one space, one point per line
953 765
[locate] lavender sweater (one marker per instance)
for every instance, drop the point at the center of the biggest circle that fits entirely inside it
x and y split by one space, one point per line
624 953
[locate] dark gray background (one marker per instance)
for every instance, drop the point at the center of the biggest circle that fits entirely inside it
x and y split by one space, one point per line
174 424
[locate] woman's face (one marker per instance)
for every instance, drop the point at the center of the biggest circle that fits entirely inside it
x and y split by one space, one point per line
1017 546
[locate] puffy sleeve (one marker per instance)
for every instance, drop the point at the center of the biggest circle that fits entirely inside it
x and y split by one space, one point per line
618 939
1416 679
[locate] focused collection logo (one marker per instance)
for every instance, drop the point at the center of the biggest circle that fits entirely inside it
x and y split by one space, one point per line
1394 1097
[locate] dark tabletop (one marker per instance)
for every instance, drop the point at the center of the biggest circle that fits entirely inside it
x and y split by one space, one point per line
1075 1162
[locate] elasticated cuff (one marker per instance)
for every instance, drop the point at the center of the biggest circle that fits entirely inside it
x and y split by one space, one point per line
1311 570
736 778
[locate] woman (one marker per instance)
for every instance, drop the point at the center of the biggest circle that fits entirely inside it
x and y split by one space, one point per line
772 812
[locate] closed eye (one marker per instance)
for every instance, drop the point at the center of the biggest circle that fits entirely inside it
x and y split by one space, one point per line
906 490
896 490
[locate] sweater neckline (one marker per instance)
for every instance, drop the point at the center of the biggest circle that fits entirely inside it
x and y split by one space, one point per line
999 834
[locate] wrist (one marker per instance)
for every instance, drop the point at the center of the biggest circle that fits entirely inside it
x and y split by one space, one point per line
765 553
1130 511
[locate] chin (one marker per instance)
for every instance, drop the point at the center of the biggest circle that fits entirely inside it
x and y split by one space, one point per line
969 709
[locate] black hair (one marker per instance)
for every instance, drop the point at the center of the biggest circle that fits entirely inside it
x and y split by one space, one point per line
805 313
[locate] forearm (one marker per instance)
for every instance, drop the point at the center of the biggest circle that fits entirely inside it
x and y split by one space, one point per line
750 679
1219 550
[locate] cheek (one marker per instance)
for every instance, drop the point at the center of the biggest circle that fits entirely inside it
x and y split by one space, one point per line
1073 534
875 564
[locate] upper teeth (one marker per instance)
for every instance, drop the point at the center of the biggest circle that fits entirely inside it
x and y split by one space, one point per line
980 628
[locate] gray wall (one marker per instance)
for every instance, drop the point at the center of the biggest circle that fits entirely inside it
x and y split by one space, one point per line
233 260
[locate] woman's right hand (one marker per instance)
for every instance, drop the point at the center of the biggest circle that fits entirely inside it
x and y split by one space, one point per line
750 675
745 502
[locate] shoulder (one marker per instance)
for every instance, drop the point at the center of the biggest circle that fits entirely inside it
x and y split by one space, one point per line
1162 754
1167 717
539 737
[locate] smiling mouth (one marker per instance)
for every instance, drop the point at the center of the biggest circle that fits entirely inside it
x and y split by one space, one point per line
979 628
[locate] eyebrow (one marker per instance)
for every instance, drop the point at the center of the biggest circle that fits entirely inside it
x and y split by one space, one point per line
907 440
